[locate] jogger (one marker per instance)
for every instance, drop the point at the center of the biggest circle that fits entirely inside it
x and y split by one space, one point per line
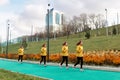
64 54
20 53
78 61
79 54
43 54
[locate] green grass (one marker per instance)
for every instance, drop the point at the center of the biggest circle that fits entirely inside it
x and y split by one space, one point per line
94 43
101 42
7 75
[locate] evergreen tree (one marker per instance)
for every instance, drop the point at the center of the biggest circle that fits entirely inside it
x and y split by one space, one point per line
24 43
87 35
114 31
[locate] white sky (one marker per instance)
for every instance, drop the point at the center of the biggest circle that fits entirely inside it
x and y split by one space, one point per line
23 14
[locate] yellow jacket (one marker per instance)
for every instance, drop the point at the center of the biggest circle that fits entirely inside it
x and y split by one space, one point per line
79 51
20 51
43 51
64 51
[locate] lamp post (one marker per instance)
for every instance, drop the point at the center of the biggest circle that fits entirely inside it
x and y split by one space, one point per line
10 36
31 33
106 23
117 23
7 38
48 33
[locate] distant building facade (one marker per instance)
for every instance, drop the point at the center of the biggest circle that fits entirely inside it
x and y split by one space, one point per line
56 20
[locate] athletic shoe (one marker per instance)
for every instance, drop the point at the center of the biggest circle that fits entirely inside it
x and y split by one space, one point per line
81 69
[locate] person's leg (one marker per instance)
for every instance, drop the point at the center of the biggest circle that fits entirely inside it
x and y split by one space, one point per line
21 58
41 59
66 58
44 60
81 59
18 57
78 61
63 59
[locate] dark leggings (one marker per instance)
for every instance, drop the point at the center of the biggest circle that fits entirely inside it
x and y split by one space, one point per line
43 59
64 58
78 61
20 58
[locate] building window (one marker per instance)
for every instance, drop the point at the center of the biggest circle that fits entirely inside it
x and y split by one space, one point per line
62 19
57 18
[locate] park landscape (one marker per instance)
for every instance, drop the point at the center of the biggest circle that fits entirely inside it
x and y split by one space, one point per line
104 53
50 22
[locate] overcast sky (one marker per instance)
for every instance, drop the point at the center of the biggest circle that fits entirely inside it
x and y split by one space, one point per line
23 14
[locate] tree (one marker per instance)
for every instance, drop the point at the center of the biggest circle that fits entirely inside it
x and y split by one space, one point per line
65 28
70 26
75 23
114 31
87 35
87 31
83 20
24 43
97 21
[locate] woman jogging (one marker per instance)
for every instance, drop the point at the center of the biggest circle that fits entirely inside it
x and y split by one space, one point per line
43 54
20 53
79 54
64 54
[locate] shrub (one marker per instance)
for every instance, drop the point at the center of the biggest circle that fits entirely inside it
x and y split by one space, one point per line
24 43
114 31
91 58
87 35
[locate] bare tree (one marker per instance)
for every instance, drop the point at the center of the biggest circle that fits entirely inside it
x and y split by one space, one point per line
97 21
70 26
75 23
92 19
84 20
64 30
101 20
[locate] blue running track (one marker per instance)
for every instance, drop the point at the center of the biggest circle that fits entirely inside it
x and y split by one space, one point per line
58 73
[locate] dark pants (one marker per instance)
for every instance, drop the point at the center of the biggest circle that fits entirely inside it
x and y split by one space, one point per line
43 59
64 58
20 58
78 61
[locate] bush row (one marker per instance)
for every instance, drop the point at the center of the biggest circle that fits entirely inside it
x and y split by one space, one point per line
91 57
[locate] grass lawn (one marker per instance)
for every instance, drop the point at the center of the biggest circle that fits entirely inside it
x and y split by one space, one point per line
94 43
7 75
101 42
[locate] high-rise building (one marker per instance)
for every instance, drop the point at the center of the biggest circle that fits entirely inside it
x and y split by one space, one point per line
56 19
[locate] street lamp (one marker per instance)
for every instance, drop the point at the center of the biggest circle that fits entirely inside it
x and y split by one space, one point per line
106 23
31 33
117 23
48 33
8 24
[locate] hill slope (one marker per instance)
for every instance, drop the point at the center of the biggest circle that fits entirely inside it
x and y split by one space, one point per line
94 43
98 41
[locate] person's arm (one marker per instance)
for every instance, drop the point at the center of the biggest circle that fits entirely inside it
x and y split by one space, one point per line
63 49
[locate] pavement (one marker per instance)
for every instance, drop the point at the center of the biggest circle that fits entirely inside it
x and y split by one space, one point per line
94 67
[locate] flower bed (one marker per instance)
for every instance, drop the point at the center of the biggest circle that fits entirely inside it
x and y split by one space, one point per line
91 57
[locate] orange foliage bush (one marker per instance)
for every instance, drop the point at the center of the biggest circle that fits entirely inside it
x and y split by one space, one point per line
90 57
55 57
12 56
72 58
116 60
3 55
